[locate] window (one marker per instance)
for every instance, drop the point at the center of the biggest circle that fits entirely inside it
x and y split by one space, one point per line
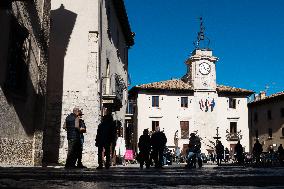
269 117
184 102
255 117
154 125
270 132
184 128
18 58
155 101
256 133
108 22
232 103
233 127
282 112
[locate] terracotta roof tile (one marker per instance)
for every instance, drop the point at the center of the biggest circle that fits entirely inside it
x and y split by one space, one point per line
178 84
174 84
223 88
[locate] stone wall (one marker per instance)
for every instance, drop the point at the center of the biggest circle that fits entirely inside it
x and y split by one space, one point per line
22 116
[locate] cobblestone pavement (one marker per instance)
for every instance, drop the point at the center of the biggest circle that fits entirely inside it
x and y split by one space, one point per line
176 176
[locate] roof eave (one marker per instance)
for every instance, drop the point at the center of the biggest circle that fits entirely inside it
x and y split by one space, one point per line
123 19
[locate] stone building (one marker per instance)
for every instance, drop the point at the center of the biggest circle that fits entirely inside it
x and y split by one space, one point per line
88 68
24 41
194 103
266 120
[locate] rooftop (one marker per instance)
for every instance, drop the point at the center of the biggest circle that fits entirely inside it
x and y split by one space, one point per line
180 85
272 97
123 19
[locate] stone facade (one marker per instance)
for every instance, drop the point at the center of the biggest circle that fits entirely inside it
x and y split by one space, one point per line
266 120
24 43
85 64
207 107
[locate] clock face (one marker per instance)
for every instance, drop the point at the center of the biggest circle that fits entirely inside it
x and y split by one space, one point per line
204 68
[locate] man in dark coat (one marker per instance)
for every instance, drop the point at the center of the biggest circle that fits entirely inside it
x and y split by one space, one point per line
158 142
219 152
71 125
239 153
257 150
144 145
105 138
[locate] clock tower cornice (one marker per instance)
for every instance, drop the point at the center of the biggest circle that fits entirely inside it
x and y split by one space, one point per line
196 57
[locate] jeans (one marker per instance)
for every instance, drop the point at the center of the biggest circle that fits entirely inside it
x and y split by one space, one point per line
73 152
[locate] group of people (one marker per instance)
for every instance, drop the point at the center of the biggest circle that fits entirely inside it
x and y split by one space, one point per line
106 139
152 147
257 151
224 153
75 127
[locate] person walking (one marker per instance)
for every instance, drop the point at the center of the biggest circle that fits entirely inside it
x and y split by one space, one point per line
158 143
177 155
256 151
144 145
82 127
194 147
239 153
281 154
105 139
71 125
219 152
120 148
227 155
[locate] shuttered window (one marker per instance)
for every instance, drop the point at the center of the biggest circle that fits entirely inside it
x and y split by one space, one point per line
184 128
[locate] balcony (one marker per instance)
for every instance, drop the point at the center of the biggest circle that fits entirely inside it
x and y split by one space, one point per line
130 109
233 136
113 88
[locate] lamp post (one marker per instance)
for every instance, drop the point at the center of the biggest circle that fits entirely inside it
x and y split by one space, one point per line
217 135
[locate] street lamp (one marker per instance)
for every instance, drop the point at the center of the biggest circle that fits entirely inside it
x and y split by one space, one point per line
217 135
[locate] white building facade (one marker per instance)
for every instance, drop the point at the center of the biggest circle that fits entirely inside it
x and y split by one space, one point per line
193 104
88 69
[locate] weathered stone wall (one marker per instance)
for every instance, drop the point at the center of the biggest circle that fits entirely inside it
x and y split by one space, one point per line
73 76
22 117
16 151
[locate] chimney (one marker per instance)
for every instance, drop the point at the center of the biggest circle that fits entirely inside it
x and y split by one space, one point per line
262 95
256 97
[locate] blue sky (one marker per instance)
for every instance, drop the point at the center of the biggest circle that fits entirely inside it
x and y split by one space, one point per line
246 35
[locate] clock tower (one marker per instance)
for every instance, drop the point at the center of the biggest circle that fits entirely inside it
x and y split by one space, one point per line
201 69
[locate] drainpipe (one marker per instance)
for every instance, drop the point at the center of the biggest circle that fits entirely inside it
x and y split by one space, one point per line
100 57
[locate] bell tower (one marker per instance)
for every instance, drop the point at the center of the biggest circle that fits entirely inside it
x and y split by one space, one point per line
201 69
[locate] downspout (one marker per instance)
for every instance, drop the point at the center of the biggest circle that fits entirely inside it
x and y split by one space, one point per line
100 57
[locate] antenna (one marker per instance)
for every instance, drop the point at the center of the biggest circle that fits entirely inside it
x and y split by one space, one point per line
266 88
201 37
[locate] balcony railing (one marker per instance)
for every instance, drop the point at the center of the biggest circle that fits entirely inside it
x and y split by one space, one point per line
233 137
